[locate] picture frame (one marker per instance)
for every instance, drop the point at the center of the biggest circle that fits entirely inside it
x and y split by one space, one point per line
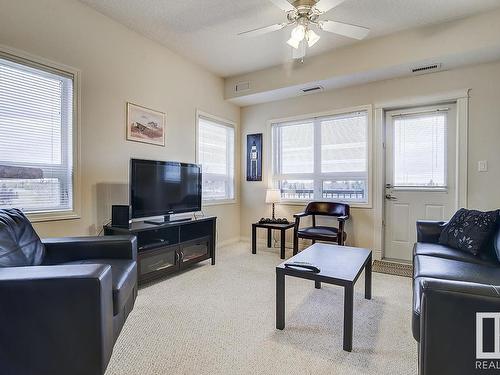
254 157
145 125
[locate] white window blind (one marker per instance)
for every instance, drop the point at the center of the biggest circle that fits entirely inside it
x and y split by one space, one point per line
420 150
36 112
324 158
216 156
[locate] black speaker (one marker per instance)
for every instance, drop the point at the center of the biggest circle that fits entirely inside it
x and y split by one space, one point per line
120 216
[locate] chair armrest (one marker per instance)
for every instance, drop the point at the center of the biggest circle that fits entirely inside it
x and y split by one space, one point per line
343 218
448 324
69 249
58 319
429 231
301 214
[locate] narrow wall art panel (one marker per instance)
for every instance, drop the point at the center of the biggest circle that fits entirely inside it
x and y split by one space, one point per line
254 157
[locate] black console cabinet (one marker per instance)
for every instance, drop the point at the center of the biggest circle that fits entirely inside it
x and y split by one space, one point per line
170 247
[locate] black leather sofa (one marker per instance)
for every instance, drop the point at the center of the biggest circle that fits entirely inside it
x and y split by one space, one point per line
449 287
63 317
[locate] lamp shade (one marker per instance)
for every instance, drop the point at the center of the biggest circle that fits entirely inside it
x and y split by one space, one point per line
273 196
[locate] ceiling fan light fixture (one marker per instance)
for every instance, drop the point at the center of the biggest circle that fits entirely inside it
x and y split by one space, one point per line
293 43
307 14
300 52
297 36
299 33
312 38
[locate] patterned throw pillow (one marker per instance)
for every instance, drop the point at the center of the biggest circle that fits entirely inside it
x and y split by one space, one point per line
468 230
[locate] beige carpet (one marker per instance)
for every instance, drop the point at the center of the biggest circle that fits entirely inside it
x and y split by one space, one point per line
220 320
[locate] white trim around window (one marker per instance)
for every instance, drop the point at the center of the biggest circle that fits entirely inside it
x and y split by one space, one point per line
271 160
44 65
229 177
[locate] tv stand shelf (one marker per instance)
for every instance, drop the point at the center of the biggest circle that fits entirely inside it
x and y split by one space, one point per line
170 247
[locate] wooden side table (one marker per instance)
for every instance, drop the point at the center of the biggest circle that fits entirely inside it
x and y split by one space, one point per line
270 227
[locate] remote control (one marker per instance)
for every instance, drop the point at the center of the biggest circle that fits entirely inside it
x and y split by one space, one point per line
305 266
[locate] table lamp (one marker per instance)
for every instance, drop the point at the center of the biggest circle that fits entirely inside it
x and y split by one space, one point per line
273 196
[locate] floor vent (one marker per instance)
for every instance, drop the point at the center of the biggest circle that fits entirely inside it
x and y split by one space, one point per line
423 69
391 268
311 90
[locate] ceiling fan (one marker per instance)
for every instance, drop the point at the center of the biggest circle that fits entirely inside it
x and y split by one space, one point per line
305 15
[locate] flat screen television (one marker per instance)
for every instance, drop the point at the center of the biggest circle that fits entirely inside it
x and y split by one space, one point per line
162 188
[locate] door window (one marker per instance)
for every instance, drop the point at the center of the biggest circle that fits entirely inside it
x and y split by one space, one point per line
420 150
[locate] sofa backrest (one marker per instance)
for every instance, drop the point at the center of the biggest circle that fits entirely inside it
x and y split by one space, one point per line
19 244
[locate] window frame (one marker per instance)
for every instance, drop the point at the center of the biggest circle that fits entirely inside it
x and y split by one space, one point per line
311 116
223 122
419 111
40 63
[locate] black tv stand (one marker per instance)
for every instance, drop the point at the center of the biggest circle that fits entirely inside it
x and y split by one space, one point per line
166 220
168 247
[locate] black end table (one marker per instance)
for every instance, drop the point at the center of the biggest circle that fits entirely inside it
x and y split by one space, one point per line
340 265
270 227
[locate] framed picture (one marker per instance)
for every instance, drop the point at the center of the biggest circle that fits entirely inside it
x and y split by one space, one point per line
254 157
145 125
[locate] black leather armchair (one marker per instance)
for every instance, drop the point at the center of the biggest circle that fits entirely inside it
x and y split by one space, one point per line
321 233
449 288
64 316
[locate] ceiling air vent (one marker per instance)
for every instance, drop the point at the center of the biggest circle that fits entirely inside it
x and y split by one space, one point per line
424 69
311 90
242 86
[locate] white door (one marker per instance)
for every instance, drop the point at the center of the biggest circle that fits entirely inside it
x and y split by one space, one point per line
420 173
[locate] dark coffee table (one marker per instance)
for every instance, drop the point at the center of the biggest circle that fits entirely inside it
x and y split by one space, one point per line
340 265
270 227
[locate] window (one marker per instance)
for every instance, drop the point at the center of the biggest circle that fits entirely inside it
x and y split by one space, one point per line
420 150
36 137
216 156
323 158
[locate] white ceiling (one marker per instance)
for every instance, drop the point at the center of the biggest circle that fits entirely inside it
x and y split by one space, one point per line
205 31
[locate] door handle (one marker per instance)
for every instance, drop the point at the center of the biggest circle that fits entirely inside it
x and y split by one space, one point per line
390 197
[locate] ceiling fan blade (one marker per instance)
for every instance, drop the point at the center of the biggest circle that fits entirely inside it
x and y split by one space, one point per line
345 29
283 4
264 30
325 5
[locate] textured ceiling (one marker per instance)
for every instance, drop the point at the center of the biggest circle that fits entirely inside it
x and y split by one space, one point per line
205 31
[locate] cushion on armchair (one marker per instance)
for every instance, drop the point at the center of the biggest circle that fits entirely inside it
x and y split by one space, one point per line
19 244
469 230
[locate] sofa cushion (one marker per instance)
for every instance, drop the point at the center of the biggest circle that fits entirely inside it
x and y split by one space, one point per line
20 246
124 276
446 252
469 230
449 269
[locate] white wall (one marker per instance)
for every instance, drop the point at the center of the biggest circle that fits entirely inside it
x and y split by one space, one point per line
484 135
118 65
